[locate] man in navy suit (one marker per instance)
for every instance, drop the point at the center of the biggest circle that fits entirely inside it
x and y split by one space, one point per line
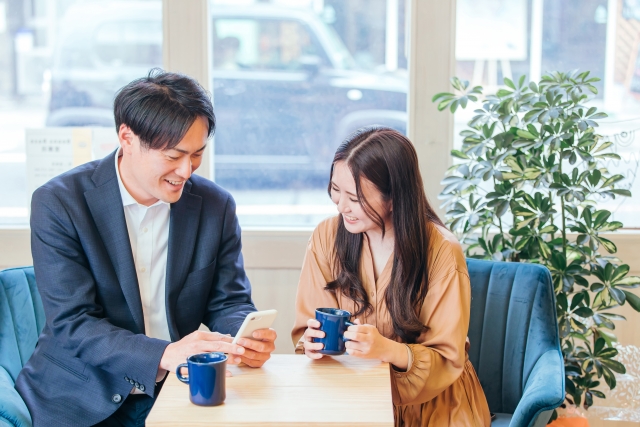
131 254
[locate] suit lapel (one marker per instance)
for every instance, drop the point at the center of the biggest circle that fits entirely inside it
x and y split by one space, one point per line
183 233
105 204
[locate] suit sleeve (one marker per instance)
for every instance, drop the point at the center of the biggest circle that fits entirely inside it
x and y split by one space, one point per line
230 297
68 291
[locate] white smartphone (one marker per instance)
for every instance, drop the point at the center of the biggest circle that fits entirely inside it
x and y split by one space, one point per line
253 322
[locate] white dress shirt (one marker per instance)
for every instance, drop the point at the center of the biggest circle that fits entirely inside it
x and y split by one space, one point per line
148 228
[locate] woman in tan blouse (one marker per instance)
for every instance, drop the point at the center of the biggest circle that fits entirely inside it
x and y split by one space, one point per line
390 261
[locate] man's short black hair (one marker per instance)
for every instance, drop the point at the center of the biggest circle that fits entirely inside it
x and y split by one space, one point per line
161 107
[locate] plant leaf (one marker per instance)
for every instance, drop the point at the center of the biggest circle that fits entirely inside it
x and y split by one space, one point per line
633 300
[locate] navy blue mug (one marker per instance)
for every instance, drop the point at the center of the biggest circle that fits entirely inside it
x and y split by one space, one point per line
207 373
333 322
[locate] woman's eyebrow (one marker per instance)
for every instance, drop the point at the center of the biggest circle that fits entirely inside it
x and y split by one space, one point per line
333 184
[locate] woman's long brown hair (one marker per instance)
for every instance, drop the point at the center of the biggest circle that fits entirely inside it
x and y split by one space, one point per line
387 159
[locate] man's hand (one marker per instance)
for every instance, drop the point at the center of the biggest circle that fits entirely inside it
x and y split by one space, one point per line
258 350
200 342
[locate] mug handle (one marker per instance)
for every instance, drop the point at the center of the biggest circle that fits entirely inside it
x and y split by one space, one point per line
348 324
179 375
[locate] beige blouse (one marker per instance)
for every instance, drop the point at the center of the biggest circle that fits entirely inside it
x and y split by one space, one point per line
440 387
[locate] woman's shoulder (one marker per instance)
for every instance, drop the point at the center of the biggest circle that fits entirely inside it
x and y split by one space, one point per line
445 253
440 235
324 235
327 225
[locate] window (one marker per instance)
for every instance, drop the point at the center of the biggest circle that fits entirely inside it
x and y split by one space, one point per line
61 62
289 84
129 43
291 80
509 38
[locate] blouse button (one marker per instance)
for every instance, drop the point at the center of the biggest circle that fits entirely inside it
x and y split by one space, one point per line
373 294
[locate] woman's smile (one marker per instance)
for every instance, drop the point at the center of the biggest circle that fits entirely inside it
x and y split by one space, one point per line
350 219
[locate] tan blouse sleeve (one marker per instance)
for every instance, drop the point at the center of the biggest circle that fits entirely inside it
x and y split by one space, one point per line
439 358
316 273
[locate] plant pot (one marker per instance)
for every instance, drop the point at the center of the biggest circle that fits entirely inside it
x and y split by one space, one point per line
570 422
570 417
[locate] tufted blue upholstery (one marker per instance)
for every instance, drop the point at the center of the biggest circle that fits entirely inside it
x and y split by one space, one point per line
515 347
21 321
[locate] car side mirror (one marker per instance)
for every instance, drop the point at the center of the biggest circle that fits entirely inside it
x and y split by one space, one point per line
311 64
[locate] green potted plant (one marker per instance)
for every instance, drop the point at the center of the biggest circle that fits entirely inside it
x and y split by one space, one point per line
526 187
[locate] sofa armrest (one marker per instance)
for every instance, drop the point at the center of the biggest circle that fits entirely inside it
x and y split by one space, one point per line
13 410
543 392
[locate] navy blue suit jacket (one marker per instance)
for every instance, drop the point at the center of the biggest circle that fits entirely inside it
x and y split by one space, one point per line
94 333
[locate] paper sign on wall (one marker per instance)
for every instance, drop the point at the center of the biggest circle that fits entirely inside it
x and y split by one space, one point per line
81 145
53 151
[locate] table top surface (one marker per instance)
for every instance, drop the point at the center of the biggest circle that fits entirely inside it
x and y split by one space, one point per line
290 390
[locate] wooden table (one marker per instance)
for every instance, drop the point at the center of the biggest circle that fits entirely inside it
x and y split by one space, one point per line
289 390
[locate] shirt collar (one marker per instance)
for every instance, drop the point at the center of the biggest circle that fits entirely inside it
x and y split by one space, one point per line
127 198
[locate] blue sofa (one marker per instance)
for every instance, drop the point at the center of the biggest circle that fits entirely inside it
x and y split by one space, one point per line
21 321
515 347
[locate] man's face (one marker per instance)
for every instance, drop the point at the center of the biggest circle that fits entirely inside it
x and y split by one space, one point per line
151 175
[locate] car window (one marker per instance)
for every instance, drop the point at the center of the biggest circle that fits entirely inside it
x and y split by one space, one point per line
254 44
339 53
131 43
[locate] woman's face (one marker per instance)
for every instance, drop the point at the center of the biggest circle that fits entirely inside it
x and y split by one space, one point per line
343 194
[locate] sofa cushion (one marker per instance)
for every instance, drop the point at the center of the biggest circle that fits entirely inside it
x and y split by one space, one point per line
21 318
13 411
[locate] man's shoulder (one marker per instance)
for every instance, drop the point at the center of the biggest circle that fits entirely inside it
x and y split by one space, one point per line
208 190
75 181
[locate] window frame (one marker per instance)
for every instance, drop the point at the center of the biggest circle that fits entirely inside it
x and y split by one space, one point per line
186 39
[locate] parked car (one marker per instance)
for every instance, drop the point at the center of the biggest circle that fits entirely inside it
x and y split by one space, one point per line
286 90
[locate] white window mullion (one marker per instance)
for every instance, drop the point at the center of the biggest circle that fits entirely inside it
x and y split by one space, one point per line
431 65
185 49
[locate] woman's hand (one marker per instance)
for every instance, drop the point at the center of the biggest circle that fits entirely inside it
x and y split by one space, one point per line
313 331
366 342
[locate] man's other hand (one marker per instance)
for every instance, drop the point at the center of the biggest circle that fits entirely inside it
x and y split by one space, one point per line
201 342
258 350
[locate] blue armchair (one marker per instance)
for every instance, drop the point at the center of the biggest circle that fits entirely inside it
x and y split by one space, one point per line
515 347
21 321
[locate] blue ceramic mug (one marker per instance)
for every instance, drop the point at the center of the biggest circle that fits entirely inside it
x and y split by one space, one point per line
333 322
207 373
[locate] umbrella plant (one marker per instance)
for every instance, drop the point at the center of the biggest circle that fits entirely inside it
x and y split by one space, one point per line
528 185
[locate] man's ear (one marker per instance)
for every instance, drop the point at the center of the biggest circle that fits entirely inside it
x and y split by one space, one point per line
126 137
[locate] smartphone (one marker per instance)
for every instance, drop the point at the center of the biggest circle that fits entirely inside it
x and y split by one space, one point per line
253 322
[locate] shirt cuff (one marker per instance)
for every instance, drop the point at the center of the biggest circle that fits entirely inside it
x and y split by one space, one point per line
410 358
162 374
409 362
